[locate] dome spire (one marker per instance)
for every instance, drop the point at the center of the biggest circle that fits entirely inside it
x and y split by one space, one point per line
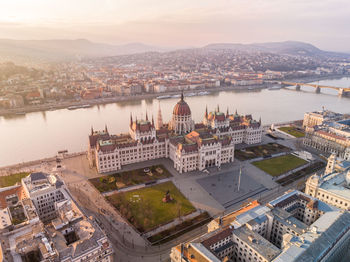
182 95
206 111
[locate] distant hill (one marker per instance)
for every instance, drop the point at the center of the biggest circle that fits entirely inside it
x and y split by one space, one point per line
60 50
287 48
66 50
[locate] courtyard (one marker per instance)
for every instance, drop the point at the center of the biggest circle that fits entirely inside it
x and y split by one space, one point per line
260 151
293 131
145 209
11 180
129 178
279 165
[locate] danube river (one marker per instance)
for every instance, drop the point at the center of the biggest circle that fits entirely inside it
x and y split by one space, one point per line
41 134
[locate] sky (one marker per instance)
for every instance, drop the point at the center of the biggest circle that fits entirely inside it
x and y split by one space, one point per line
180 23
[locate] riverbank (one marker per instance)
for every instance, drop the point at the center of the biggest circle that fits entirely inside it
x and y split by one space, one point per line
108 100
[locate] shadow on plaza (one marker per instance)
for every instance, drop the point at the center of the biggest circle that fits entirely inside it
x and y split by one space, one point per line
224 187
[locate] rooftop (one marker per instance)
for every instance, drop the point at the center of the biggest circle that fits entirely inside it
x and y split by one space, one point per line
315 243
266 249
335 183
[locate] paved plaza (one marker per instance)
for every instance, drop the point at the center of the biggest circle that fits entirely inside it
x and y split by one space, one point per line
224 187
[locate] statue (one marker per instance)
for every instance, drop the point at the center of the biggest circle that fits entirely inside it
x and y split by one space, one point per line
167 198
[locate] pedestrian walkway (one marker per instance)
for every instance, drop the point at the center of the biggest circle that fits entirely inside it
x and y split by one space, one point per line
173 223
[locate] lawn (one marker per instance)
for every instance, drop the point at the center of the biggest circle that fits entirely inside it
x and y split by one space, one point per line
129 178
180 229
313 168
279 165
292 131
11 180
145 209
260 151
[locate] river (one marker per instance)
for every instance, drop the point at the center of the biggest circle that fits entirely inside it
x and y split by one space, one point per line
41 134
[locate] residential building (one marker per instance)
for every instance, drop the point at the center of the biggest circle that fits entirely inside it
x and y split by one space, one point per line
293 227
329 137
65 234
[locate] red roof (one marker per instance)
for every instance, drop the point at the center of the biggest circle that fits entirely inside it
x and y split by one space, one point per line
321 132
182 108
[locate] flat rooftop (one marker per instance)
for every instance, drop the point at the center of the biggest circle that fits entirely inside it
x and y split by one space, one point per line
258 243
314 244
335 183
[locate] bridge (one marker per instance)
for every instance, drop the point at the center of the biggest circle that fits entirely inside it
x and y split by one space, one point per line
341 90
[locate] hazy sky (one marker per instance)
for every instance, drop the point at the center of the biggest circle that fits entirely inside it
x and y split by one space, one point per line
325 23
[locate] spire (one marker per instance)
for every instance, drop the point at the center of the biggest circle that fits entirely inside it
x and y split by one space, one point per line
260 120
206 112
236 112
106 128
182 95
152 121
146 116
130 118
218 110
159 118
92 130
227 112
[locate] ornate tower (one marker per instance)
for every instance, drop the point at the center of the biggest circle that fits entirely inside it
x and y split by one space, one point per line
159 118
331 163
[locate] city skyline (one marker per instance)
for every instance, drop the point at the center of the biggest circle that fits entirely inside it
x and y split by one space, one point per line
180 24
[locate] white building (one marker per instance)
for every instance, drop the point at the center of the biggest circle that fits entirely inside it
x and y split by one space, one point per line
333 187
63 233
317 118
331 136
293 227
190 146
45 191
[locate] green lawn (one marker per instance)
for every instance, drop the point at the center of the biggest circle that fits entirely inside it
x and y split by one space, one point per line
129 178
260 151
292 131
145 209
280 165
11 180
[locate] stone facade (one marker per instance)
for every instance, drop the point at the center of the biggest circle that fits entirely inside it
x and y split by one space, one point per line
190 146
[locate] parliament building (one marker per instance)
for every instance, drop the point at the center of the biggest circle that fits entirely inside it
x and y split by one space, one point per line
189 145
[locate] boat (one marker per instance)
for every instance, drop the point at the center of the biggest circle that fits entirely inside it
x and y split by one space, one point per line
164 97
203 93
78 106
190 94
274 88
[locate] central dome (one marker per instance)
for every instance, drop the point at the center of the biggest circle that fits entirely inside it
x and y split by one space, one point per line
182 108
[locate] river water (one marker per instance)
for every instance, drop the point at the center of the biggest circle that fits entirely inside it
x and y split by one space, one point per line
41 134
